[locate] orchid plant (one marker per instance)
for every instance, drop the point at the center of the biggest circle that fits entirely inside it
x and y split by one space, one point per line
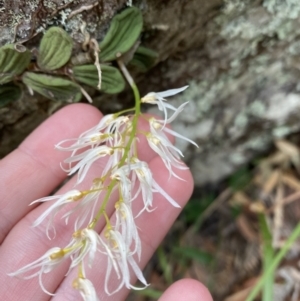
113 141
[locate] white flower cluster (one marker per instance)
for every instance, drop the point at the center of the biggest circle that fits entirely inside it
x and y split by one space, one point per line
114 140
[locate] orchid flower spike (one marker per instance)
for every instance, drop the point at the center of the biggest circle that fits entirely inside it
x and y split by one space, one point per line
105 158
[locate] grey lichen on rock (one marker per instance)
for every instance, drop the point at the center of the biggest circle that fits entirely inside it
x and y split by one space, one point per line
240 57
244 90
21 20
25 22
166 29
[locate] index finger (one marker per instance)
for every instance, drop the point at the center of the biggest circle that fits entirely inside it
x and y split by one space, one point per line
32 170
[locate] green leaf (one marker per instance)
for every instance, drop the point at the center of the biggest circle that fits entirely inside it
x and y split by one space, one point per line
55 49
55 88
144 58
192 212
149 292
124 30
195 254
112 80
164 264
8 94
240 179
14 59
268 256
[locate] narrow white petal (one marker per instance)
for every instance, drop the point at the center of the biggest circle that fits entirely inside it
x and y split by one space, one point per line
171 92
137 271
54 208
163 193
41 262
177 112
42 285
180 136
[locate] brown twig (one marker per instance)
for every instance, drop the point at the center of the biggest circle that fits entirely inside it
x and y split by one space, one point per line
83 8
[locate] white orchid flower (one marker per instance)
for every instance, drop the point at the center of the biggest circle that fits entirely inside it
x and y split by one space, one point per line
86 289
121 260
90 241
122 176
92 140
45 264
157 128
85 209
86 159
113 141
61 201
159 142
125 224
158 98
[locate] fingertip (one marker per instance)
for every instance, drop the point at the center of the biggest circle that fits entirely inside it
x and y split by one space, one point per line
189 179
186 289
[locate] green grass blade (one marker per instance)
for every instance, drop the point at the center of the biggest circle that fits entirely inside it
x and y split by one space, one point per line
163 262
149 292
277 259
268 256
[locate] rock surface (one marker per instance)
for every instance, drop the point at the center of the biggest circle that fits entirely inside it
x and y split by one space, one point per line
241 59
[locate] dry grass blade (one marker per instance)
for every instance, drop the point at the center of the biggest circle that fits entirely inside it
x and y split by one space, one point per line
278 216
291 151
246 229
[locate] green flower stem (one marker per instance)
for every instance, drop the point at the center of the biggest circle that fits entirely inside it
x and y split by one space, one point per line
137 98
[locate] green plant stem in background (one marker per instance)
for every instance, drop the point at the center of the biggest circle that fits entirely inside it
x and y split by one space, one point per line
149 292
165 266
268 256
276 261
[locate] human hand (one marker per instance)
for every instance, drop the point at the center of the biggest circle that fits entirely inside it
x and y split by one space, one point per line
32 171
